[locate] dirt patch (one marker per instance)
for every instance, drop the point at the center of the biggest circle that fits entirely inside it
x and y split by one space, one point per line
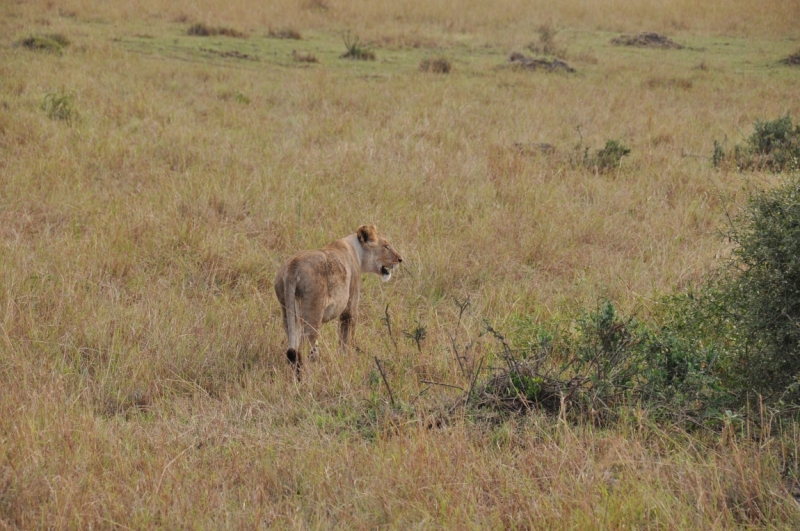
646 40
436 66
519 60
793 59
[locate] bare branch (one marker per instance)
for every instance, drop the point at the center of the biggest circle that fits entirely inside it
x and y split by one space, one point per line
385 381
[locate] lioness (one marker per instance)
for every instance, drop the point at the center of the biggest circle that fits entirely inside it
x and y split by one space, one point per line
315 287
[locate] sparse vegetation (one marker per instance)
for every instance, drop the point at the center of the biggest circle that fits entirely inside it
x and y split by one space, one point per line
142 359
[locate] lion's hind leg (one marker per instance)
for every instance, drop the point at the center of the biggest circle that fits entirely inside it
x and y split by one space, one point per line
312 323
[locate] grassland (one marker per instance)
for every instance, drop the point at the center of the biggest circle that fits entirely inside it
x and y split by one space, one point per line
151 182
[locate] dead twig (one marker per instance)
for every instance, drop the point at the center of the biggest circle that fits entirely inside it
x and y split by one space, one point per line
385 381
442 384
462 306
474 379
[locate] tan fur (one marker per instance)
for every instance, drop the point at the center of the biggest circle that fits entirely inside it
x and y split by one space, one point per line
315 287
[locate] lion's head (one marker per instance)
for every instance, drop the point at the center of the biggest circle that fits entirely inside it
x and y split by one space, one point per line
379 256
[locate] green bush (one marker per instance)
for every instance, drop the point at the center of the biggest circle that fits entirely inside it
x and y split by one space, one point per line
603 160
734 341
607 360
758 296
610 157
774 146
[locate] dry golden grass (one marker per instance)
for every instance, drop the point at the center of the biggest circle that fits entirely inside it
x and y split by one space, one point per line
141 357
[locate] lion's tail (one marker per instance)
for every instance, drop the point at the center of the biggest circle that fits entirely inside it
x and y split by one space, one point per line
292 328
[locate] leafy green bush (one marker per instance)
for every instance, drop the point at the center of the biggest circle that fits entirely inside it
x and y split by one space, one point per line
734 341
774 146
603 160
610 157
606 361
758 296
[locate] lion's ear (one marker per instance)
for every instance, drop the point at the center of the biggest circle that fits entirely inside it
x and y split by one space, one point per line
367 233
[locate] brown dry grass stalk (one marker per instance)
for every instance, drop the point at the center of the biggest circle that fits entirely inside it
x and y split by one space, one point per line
141 357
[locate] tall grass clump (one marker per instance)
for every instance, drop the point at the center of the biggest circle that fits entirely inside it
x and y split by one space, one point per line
774 146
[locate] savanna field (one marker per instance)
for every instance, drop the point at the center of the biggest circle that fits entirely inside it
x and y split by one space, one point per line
160 160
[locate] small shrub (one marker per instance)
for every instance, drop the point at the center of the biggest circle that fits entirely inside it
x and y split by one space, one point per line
355 50
59 107
439 65
51 42
773 146
603 160
610 156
